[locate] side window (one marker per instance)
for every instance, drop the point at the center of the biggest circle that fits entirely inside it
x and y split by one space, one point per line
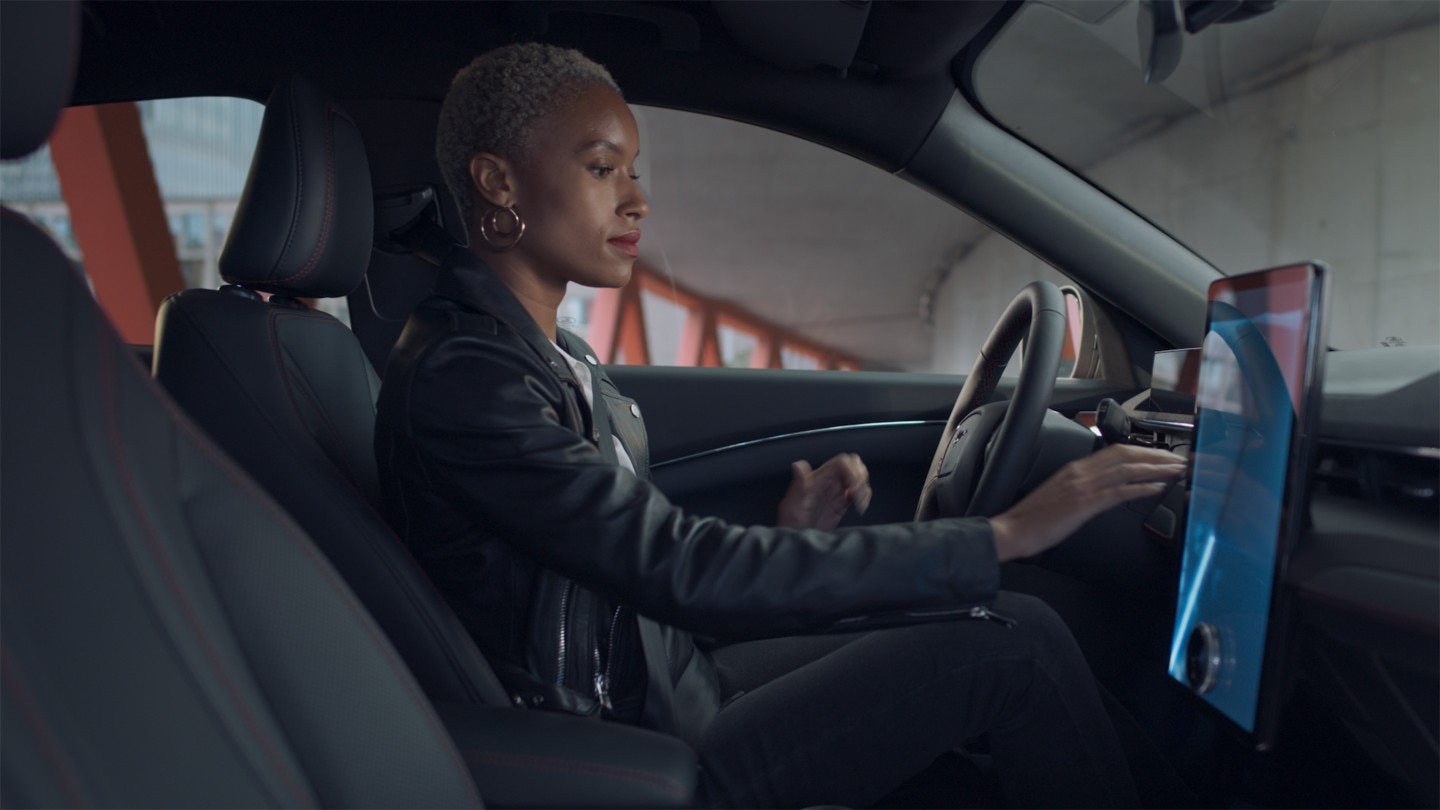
764 250
199 150
29 185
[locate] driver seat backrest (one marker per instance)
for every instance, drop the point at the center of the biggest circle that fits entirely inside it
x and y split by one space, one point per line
287 390
168 637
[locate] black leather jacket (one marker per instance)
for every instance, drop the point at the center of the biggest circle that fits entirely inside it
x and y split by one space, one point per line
492 474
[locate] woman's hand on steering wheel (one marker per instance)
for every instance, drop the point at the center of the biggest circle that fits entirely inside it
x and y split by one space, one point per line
1081 490
817 499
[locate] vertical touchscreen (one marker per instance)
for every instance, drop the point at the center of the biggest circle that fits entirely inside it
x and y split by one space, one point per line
1258 369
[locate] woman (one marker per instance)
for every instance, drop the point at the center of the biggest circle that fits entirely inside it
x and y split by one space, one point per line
518 475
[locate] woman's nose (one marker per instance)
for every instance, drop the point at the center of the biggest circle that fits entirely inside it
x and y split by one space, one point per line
635 204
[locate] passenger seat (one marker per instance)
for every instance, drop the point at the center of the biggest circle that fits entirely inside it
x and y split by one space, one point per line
286 389
168 636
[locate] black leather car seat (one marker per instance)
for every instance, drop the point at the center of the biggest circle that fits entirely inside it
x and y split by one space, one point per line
286 389
168 635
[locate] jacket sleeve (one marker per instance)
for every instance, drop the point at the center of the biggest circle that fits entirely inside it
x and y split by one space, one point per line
483 418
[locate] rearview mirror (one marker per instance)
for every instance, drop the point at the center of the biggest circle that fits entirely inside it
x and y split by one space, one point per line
1158 26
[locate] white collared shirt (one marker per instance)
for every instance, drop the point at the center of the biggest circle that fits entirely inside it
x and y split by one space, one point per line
586 378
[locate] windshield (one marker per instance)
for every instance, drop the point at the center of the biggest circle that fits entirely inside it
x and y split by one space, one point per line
1311 132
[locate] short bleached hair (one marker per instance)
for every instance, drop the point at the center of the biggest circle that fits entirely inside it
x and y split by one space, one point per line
493 102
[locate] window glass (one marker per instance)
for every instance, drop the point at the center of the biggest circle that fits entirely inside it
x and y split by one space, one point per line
665 319
737 347
1311 132
29 186
201 150
793 358
775 239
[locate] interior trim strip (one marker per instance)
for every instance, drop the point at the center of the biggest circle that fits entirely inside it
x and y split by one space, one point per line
798 434
1184 427
1404 450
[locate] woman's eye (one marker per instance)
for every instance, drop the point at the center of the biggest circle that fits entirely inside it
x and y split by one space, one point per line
635 177
602 171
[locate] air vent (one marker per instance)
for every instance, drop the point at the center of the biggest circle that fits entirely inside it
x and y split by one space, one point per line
1390 478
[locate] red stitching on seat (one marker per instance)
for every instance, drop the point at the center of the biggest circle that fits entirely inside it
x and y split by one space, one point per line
112 426
285 522
49 745
329 197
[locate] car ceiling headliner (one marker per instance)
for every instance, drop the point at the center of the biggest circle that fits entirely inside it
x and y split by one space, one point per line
672 54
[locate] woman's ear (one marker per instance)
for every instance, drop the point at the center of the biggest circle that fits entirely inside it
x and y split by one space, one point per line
493 179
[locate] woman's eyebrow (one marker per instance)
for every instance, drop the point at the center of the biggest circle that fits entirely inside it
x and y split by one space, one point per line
601 143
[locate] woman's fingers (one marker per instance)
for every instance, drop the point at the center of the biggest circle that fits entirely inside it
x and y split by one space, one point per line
1122 473
818 498
1081 490
856 480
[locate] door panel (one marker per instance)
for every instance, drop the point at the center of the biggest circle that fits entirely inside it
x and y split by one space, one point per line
722 439
691 410
743 483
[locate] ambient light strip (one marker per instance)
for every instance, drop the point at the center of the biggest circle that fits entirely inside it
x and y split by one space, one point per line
798 435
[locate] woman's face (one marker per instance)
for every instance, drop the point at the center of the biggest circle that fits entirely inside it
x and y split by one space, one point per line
578 193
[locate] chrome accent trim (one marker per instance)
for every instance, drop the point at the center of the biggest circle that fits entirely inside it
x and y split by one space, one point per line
982 612
798 434
564 624
1206 665
1185 427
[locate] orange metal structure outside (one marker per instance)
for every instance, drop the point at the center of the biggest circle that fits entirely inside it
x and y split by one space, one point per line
109 185
617 328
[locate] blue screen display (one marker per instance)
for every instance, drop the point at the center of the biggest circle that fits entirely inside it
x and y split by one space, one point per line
1252 375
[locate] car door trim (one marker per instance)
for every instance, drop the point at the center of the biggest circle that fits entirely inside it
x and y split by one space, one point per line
797 434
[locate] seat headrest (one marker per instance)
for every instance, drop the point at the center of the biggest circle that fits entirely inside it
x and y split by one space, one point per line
39 50
303 227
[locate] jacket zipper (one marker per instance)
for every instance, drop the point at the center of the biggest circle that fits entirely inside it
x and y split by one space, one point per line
564 640
982 612
602 674
977 612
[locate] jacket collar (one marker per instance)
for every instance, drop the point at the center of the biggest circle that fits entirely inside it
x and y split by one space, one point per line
468 281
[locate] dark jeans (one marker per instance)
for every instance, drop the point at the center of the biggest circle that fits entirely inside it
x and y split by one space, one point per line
847 719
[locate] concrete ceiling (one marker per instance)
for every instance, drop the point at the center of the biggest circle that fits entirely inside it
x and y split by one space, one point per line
1016 83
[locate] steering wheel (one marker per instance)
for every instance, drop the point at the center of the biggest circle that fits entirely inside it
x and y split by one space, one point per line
987 449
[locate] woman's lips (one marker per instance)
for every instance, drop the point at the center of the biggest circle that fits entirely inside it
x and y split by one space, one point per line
629 244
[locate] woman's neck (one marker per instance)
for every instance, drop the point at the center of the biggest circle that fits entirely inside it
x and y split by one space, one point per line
539 296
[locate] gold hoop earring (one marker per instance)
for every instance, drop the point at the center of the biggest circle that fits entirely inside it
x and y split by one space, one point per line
502 239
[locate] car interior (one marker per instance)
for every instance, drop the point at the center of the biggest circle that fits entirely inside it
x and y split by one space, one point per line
203 604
